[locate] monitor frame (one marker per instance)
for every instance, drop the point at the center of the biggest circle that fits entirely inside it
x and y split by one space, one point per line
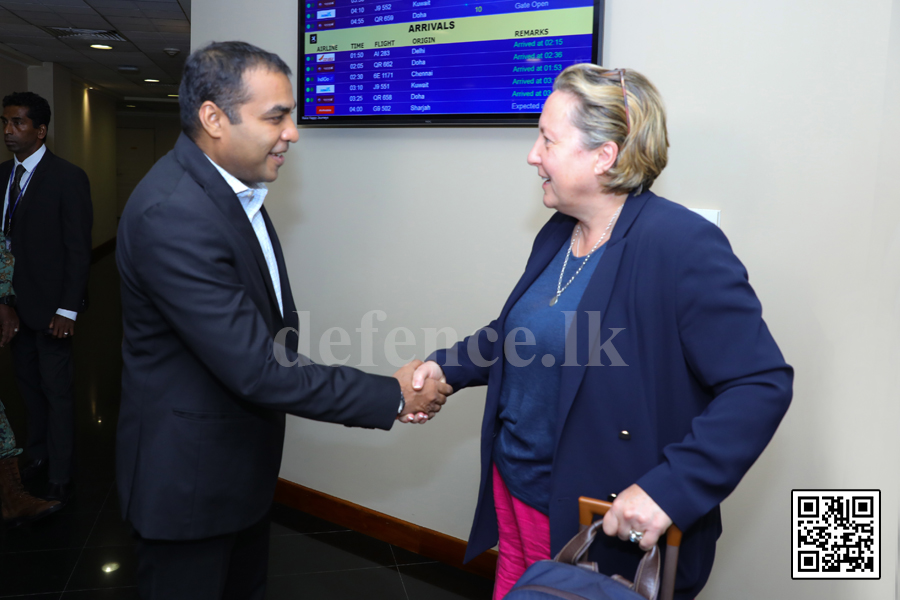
434 120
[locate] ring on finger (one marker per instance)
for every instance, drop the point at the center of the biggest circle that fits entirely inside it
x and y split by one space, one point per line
635 536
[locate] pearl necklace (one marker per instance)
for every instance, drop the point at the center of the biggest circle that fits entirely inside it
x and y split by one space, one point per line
560 288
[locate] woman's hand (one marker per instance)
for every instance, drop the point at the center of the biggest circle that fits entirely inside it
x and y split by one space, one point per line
634 510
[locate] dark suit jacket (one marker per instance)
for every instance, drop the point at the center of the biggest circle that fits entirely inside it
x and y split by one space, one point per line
51 240
201 424
703 391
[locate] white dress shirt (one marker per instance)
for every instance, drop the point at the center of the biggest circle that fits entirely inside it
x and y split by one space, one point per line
29 163
252 202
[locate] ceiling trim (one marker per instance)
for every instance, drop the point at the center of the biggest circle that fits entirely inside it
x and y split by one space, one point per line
16 56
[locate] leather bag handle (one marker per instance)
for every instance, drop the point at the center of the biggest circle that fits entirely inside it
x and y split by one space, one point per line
646 578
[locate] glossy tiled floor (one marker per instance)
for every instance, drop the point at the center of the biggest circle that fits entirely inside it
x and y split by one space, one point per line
62 556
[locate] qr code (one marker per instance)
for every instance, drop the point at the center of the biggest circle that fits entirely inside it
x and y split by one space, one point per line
836 534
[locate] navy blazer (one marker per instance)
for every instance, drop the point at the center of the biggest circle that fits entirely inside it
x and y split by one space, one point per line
671 347
51 240
201 424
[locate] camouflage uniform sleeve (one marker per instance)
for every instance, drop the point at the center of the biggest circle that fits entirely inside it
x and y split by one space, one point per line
6 269
7 437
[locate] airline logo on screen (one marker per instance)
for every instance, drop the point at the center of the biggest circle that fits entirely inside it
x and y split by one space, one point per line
323 58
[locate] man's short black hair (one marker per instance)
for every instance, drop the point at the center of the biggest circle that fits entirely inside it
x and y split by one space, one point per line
216 73
38 108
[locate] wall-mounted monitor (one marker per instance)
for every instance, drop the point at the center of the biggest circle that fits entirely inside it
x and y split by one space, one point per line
438 62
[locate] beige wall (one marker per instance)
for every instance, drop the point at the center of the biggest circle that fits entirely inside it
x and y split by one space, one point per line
166 128
143 138
783 115
91 138
82 130
13 78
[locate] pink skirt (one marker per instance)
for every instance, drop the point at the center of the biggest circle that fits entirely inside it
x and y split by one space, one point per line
524 537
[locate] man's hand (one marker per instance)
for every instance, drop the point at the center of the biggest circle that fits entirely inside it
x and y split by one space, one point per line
634 510
62 327
423 403
9 324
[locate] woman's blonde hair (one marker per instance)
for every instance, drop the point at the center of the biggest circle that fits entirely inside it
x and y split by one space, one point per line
638 128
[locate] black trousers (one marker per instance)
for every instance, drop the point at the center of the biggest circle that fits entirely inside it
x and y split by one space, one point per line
45 375
226 567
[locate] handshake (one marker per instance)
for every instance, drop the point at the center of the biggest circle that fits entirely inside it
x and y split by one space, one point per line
424 389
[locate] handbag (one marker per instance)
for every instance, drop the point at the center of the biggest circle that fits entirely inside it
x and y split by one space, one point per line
571 576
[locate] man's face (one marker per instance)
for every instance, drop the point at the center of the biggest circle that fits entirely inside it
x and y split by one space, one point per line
20 135
253 149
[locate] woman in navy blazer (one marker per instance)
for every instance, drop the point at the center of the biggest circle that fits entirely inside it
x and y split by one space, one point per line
664 385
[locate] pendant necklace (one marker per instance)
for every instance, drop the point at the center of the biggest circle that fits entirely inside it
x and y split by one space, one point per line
560 288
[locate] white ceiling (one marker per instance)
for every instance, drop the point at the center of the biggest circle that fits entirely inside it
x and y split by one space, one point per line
149 26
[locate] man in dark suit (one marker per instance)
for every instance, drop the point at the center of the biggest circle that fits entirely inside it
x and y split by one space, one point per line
47 218
206 300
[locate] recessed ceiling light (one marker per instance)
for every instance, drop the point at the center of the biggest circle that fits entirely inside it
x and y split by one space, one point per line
129 106
152 80
173 95
110 567
101 47
172 51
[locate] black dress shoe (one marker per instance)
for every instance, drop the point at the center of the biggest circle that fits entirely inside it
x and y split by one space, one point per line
33 468
60 491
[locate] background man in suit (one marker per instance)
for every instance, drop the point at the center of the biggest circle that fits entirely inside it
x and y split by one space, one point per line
205 292
47 219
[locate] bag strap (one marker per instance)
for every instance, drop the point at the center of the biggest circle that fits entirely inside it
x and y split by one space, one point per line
588 507
575 549
646 578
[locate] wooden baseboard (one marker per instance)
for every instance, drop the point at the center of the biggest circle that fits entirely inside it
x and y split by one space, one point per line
408 536
103 250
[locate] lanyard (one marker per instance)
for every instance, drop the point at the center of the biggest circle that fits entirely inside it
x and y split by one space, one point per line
10 207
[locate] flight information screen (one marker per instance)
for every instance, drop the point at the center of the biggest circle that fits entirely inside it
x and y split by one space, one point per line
387 62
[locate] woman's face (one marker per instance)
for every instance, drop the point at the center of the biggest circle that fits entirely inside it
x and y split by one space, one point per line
568 168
